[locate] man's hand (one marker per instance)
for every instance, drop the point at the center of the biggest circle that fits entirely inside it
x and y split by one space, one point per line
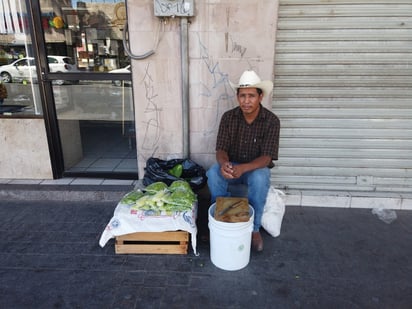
227 170
230 171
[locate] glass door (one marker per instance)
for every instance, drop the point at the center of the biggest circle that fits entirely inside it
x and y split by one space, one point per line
88 76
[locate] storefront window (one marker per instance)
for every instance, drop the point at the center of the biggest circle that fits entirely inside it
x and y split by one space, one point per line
89 32
80 36
79 73
17 65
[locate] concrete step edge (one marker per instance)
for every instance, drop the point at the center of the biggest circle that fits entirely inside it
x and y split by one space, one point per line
64 193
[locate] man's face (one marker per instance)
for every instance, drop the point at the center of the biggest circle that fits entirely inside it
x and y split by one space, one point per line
249 100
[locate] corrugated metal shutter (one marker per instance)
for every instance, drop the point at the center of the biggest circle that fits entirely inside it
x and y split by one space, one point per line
343 92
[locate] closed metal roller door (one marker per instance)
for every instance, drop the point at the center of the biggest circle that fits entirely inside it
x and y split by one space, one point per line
343 92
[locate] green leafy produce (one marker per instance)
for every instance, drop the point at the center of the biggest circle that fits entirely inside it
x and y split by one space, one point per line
180 185
141 202
177 198
156 187
182 198
177 170
131 197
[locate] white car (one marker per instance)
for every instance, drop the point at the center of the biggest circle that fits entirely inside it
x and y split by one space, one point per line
126 69
25 69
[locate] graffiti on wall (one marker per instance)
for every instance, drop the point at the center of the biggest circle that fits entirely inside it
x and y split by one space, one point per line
151 134
217 87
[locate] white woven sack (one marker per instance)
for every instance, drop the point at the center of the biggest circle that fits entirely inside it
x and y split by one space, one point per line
273 212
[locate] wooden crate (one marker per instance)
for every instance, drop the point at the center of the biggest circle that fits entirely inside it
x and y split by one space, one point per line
175 242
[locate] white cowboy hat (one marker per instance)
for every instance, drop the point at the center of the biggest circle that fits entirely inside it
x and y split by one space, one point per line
250 79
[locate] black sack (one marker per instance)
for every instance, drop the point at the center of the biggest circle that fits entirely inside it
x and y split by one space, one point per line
157 170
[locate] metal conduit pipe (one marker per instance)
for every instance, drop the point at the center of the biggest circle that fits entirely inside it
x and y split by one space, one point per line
184 34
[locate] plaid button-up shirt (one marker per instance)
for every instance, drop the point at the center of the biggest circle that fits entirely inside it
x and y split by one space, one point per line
245 142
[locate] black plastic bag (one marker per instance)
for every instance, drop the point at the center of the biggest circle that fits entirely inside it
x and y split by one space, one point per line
158 170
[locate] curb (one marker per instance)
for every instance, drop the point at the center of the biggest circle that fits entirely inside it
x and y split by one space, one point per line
72 193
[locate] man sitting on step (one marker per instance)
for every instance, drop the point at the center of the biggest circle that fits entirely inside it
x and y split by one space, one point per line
247 142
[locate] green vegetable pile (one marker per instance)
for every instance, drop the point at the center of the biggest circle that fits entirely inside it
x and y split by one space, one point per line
158 197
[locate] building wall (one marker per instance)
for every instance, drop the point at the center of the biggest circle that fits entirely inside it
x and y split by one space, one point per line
225 38
26 155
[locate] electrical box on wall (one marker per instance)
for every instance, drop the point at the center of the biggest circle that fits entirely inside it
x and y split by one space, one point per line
169 8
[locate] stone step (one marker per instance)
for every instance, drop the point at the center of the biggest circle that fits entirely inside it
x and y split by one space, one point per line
109 193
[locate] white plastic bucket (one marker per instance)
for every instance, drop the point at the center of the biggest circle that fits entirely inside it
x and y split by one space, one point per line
230 242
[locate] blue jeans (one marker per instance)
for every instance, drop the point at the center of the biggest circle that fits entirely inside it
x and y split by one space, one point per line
258 182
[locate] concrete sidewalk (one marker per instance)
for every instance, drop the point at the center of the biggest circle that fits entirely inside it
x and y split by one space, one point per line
324 258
